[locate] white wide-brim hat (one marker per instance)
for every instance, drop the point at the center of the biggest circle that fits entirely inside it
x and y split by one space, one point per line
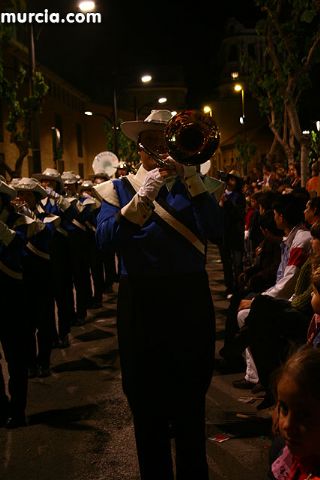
48 174
69 178
7 189
157 120
27 184
86 184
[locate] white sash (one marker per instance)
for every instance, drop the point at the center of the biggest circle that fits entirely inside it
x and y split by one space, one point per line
172 221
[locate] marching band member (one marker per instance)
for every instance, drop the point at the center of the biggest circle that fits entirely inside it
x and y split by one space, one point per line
60 255
15 231
159 220
38 278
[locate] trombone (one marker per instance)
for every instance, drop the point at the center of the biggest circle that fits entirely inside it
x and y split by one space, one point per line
191 137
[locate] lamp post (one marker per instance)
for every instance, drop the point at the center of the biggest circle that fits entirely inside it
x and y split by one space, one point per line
35 163
239 88
145 79
115 117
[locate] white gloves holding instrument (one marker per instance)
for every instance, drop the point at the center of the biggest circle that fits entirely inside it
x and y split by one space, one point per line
151 185
155 179
52 194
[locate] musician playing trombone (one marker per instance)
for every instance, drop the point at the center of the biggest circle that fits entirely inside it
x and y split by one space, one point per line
159 221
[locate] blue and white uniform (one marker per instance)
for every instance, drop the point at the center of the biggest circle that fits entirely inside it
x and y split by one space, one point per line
166 322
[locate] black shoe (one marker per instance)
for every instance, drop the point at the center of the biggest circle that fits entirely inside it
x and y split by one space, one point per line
79 322
56 343
4 410
258 388
267 402
32 372
243 384
16 421
44 372
230 366
95 304
64 342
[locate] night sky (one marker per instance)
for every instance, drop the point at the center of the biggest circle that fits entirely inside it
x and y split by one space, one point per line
136 36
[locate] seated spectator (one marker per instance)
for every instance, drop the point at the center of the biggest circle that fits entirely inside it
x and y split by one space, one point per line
253 280
288 211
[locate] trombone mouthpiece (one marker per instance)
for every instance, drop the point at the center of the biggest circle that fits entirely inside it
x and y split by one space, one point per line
161 163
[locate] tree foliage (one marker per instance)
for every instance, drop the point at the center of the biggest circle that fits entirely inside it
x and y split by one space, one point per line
246 151
289 30
127 149
15 92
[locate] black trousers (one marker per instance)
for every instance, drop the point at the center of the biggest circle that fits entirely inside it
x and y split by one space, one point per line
38 286
275 329
13 338
166 331
62 282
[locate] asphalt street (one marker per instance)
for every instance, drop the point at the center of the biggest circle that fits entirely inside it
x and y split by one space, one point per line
79 424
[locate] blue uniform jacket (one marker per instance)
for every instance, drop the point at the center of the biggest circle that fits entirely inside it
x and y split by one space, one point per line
155 248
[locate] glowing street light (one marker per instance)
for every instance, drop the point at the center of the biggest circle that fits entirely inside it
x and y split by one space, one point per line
207 110
146 78
87 6
239 88
162 100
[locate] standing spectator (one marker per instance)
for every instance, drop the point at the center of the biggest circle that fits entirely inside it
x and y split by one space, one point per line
233 203
293 181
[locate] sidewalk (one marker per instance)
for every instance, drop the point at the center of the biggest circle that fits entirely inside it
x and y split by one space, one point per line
80 426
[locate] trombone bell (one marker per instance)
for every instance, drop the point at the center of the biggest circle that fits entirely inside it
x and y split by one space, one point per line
192 137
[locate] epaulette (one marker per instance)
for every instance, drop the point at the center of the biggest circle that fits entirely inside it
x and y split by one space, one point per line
107 192
214 186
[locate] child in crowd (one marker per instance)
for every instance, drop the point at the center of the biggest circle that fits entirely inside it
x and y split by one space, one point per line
297 417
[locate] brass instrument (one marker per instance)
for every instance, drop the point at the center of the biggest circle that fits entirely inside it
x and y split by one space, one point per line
22 207
191 138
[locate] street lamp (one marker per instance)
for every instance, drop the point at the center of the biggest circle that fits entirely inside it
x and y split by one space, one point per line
239 88
87 6
146 78
207 110
34 120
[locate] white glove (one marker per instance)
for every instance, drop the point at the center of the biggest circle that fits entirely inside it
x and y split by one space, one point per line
52 194
151 185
